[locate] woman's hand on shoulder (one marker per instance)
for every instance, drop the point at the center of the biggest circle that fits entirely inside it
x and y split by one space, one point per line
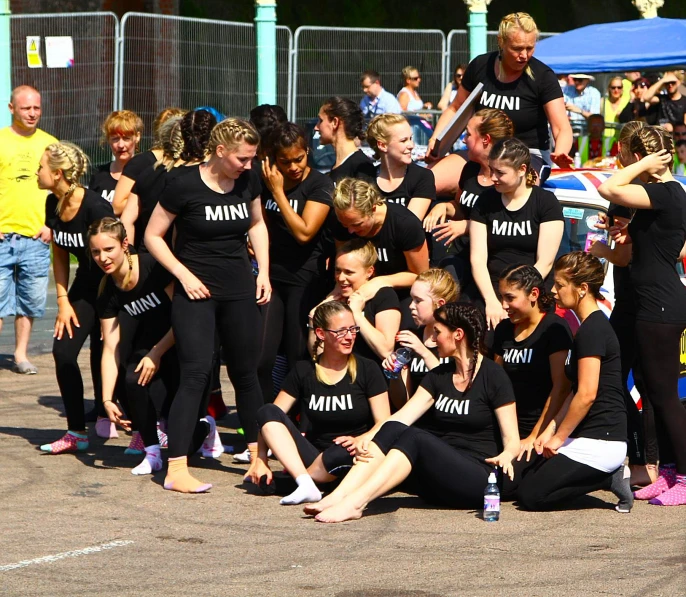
356 302
494 314
369 289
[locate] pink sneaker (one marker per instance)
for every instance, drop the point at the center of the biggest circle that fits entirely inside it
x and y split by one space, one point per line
105 428
665 481
136 446
162 434
675 496
68 443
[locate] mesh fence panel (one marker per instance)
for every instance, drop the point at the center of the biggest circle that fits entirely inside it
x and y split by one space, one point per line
175 61
75 100
329 61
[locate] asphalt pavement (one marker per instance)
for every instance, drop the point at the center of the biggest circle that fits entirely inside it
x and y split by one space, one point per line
80 525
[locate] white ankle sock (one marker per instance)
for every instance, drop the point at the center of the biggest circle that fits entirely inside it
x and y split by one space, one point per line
152 461
307 492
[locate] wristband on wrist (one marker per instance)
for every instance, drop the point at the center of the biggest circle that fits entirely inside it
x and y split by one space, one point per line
59 296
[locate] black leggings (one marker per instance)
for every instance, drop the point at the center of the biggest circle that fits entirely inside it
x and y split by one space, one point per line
194 323
657 346
552 481
641 441
337 460
148 402
285 318
66 353
440 474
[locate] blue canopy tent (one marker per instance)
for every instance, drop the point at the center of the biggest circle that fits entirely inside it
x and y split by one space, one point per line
615 47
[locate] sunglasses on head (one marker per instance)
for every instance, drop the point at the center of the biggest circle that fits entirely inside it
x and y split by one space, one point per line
640 85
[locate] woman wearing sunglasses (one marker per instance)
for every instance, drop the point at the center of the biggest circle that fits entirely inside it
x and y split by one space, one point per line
408 96
612 105
451 88
342 395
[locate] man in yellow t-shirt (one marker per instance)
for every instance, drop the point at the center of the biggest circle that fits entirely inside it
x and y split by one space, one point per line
24 238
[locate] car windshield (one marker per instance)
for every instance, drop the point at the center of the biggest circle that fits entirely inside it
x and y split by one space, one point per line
580 231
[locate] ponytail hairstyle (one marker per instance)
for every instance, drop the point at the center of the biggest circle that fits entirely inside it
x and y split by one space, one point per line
526 278
514 152
516 20
196 128
162 117
495 123
171 142
469 319
579 268
353 193
363 249
624 140
285 136
73 163
122 122
651 139
230 133
379 129
321 318
114 229
348 113
441 284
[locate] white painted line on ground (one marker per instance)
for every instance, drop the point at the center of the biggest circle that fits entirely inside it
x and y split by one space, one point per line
66 554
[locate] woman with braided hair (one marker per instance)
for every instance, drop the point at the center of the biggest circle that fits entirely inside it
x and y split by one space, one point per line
213 206
583 447
69 211
139 207
468 426
141 163
342 396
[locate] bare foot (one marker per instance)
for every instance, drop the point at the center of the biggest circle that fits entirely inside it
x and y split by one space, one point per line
340 513
642 475
330 500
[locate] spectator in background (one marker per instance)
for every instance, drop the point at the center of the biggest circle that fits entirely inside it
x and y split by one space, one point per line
408 96
376 99
680 158
594 144
637 109
672 105
451 88
612 105
24 238
581 100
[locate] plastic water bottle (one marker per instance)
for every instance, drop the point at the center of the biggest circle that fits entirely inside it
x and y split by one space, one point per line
401 357
492 499
577 160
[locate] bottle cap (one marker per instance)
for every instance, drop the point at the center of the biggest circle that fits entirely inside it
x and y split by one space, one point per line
492 478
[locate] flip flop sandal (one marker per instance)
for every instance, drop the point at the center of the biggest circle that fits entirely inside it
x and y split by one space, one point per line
25 368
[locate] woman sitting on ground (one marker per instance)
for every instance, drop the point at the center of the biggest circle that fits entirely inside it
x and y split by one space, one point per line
584 447
342 396
468 414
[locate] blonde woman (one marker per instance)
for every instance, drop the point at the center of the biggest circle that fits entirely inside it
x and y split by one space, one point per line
400 180
378 317
408 97
122 131
523 87
141 163
69 211
213 206
342 396
396 233
432 289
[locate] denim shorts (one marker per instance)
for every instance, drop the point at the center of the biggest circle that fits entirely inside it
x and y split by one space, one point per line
24 267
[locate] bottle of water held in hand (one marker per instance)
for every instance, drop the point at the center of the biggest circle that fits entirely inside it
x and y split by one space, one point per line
492 499
400 358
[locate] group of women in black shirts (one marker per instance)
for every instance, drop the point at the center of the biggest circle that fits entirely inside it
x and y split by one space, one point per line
256 257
